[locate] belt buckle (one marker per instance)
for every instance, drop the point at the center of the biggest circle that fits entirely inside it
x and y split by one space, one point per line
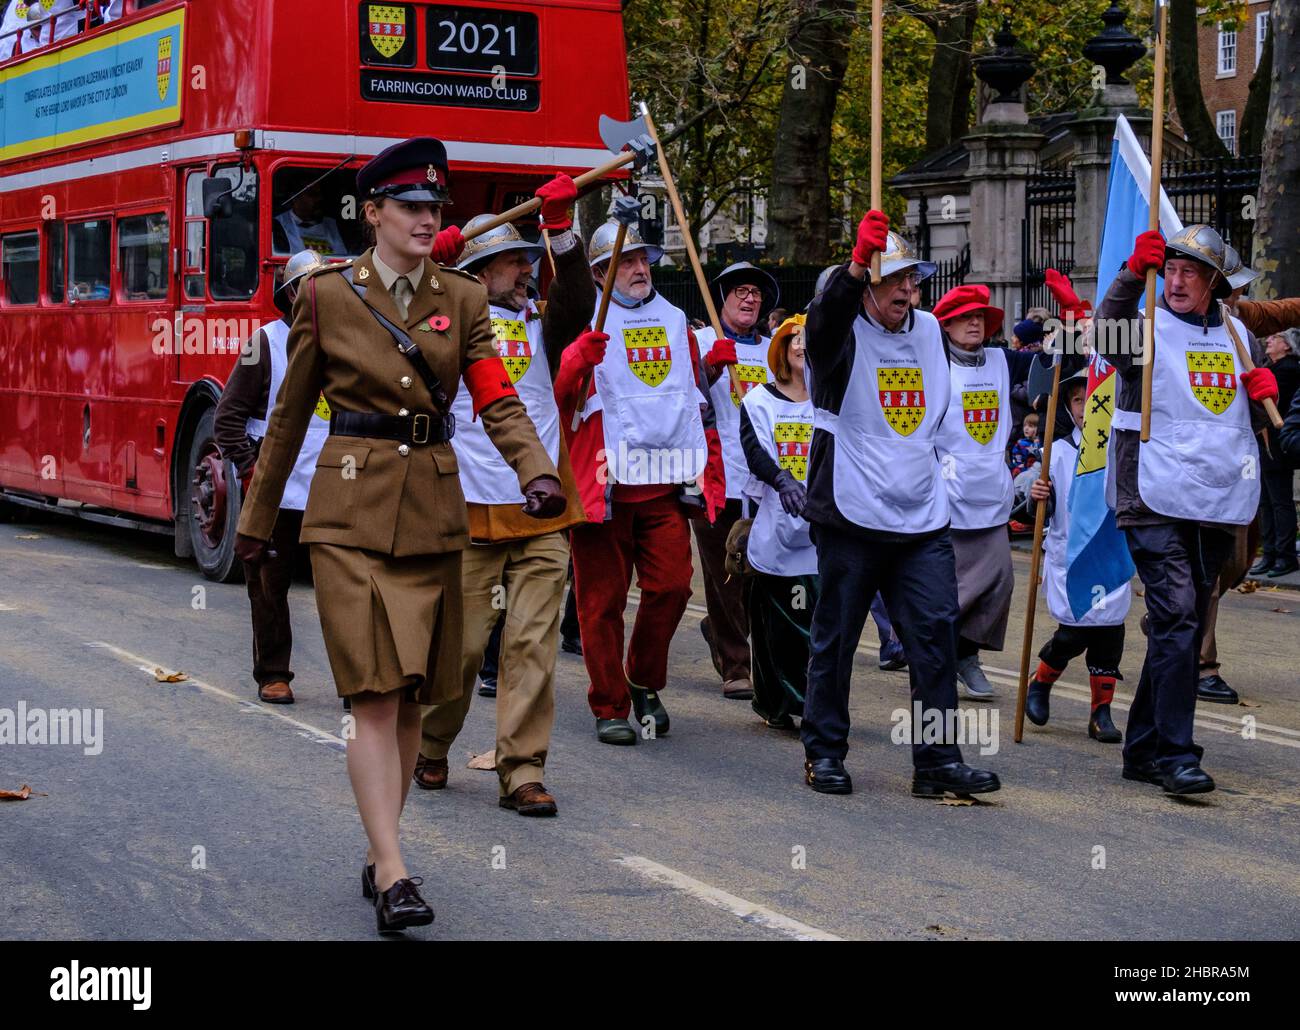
416 435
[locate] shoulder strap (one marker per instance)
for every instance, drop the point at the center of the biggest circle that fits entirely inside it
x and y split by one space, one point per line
409 350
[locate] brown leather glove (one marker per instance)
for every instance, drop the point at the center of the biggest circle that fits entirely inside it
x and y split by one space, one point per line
250 550
544 498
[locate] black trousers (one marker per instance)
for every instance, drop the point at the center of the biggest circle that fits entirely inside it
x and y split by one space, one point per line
1179 564
1277 515
919 584
1104 645
268 597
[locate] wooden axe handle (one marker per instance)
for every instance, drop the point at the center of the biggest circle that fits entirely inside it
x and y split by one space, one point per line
605 292
529 206
1243 355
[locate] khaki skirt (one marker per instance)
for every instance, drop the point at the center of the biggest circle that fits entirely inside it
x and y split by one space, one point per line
985 582
390 623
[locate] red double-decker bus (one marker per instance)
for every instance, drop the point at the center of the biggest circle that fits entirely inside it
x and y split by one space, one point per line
159 160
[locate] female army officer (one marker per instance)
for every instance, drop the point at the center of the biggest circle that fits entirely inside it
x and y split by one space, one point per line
387 339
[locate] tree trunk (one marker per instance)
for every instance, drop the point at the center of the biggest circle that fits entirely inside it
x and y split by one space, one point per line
952 80
1277 232
1185 78
1251 133
799 203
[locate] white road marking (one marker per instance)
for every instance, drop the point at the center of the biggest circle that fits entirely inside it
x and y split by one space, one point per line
148 665
739 907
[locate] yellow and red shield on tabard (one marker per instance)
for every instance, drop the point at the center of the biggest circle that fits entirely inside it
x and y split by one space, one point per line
743 379
164 66
648 354
902 398
513 346
979 413
387 28
1213 377
793 443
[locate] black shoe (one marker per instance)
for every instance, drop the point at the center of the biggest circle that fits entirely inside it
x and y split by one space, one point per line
1282 567
401 906
827 776
1146 772
1213 688
368 882
646 702
892 664
1187 779
953 778
615 731
1262 566
1102 728
1037 702
571 645
487 688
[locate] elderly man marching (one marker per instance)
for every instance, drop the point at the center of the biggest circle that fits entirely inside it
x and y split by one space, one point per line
879 509
733 366
645 455
516 565
1179 495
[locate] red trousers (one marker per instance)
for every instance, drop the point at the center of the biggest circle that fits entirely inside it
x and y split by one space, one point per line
652 537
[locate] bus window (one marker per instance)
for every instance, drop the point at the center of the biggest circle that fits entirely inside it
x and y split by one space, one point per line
88 260
54 248
233 239
196 242
142 251
20 266
308 206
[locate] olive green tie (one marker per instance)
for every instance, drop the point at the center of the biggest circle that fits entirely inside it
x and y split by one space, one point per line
401 294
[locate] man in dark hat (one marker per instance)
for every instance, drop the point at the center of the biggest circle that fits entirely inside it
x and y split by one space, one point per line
1179 496
734 365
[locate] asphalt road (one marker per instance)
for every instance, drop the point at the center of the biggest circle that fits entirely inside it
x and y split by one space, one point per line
207 815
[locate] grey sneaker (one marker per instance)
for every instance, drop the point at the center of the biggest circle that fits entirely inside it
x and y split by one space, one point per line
978 687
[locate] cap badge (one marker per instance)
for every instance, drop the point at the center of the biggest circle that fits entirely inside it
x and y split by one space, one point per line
363 273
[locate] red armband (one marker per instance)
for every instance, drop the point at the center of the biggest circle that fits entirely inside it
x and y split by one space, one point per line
487 382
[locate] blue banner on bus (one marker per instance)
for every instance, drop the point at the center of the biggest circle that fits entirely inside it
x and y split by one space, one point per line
119 82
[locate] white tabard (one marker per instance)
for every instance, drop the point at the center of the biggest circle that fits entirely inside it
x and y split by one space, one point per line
779 544
972 443
733 384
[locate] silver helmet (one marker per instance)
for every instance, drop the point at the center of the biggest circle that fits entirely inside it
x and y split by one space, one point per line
1239 274
1202 243
601 245
898 255
496 241
300 264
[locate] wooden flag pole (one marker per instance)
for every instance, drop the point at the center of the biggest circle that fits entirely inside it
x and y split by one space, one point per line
1036 556
606 291
1157 157
687 238
876 91
1243 355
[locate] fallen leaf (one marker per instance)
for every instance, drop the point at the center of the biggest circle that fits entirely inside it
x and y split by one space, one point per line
163 676
1248 586
28 536
957 802
487 761
1282 611
21 794
1140 593
1249 704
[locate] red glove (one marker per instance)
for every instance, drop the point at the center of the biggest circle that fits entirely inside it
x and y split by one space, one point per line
1062 290
723 352
1261 384
873 235
1148 253
591 347
544 498
447 246
558 197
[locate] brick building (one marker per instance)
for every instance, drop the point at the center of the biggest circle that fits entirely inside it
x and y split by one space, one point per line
1229 54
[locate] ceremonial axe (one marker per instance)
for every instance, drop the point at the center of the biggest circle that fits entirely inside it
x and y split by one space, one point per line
629 140
627 210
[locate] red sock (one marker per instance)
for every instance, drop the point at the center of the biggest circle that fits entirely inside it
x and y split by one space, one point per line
1103 690
1046 675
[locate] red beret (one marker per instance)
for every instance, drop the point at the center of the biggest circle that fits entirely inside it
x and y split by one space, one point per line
966 300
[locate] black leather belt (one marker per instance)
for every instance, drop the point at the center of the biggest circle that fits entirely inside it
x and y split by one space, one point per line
416 429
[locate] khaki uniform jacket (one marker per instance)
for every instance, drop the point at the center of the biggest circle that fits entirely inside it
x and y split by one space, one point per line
366 493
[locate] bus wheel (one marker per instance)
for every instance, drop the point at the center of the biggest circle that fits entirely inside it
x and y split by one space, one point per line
213 505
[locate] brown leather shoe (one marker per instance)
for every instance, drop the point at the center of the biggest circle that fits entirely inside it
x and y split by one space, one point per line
430 773
277 693
530 799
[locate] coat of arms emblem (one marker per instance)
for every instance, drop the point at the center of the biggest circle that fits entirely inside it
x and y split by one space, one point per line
902 398
648 354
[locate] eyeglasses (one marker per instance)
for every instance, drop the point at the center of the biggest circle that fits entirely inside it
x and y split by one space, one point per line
745 292
910 279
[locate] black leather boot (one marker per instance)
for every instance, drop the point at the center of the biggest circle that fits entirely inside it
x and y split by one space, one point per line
1100 726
